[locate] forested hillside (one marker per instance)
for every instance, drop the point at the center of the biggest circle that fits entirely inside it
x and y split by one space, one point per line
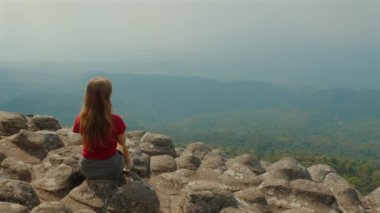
334 126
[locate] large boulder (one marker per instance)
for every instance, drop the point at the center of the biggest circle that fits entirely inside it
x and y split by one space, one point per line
187 161
207 197
239 177
313 195
349 199
136 197
252 199
57 182
172 183
68 137
37 143
289 169
17 169
11 123
20 192
162 163
13 208
52 206
140 162
319 172
157 144
373 200
134 137
213 164
249 161
198 149
2 156
43 122
8 148
92 195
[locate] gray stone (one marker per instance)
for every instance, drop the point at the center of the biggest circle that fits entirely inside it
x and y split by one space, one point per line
373 200
136 197
162 163
69 138
20 192
249 161
289 169
319 172
252 199
187 161
140 163
179 151
11 123
13 208
198 149
134 137
17 169
172 183
213 165
37 143
52 206
239 177
207 197
157 144
43 122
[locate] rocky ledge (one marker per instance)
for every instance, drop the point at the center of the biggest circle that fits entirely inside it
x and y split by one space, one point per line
39 173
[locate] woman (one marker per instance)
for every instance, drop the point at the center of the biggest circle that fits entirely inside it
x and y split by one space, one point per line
104 150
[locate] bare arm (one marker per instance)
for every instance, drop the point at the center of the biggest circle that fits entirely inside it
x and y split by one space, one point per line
122 146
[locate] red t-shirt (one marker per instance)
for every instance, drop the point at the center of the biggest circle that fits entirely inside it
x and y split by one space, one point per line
100 153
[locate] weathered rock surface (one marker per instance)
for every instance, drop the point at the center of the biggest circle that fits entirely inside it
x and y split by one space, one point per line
15 191
11 123
43 122
17 169
198 180
157 144
50 207
162 163
319 172
198 149
37 143
13 208
207 197
69 138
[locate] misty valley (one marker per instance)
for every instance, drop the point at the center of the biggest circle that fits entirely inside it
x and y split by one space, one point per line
335 126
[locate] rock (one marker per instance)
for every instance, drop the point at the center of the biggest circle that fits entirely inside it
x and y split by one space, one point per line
172 183
2 156
52 206
135 197
179 151
13 208
157 144
274 187
68 155
319 172
235 210
162 163
252 199
20 192
207 197
249 161
239 177
314 195
289 169
213 165
17 169
198 149
91 194
84 211
10 149
140 163
37 143
69 138
43 122
134 137
373 200
348 198
11 123
57 182
4 174
187 161
265 164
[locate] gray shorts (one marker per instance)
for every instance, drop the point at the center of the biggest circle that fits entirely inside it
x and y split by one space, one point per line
110 168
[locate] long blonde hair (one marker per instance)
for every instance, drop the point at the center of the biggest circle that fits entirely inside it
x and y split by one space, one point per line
96 114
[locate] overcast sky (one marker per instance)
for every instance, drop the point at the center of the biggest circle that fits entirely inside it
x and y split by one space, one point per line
274 40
